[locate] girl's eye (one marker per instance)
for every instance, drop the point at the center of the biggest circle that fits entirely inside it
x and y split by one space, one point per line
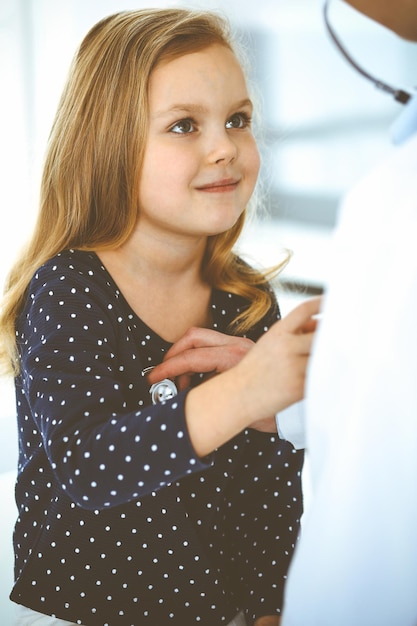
238 120
182 127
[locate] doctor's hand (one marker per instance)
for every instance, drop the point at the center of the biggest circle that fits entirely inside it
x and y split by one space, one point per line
274 370
200 350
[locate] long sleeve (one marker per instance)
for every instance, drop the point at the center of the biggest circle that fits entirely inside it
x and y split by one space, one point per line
105 441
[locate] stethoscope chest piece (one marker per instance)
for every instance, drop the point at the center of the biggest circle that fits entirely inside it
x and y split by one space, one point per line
161 391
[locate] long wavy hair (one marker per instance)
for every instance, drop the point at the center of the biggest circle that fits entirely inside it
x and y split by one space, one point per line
89 188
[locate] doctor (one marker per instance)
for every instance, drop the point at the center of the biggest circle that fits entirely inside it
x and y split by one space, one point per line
356 562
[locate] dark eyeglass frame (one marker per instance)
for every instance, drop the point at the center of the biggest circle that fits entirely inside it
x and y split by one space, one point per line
398 94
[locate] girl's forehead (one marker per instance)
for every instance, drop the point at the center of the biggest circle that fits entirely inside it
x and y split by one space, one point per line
208 77
214 54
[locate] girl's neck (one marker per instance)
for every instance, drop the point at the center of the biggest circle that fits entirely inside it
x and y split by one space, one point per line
158 276
162 257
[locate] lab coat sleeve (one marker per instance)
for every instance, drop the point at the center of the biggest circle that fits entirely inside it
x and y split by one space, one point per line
291 425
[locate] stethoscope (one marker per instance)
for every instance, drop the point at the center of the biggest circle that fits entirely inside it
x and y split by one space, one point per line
161 391
398 94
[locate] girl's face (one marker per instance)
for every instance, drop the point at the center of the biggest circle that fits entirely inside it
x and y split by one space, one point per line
201 161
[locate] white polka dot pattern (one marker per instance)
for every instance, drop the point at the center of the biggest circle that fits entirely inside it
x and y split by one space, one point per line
120 523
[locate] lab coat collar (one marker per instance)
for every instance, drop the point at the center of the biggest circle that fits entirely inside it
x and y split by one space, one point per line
406 123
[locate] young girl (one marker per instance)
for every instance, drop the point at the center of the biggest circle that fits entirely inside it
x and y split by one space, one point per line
146 503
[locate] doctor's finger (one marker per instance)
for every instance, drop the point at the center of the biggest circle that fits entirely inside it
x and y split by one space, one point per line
302 316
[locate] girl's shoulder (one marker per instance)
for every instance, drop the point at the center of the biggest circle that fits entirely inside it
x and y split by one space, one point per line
73 267
71 262
74 272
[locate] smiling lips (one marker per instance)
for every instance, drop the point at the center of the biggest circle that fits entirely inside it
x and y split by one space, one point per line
220 186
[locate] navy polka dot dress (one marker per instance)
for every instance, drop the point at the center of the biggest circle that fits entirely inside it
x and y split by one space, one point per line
120 523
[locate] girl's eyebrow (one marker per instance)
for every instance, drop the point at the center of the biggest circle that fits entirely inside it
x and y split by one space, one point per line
192 108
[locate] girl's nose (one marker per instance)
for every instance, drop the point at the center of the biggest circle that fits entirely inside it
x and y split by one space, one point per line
223 149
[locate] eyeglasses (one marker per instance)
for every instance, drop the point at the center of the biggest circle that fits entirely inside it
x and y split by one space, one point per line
398 94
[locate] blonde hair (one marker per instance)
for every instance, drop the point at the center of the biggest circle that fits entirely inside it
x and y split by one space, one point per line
89 188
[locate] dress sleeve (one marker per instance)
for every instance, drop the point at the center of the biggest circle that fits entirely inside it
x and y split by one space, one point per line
102 452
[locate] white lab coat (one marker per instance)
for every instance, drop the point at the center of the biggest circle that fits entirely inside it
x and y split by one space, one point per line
356 562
